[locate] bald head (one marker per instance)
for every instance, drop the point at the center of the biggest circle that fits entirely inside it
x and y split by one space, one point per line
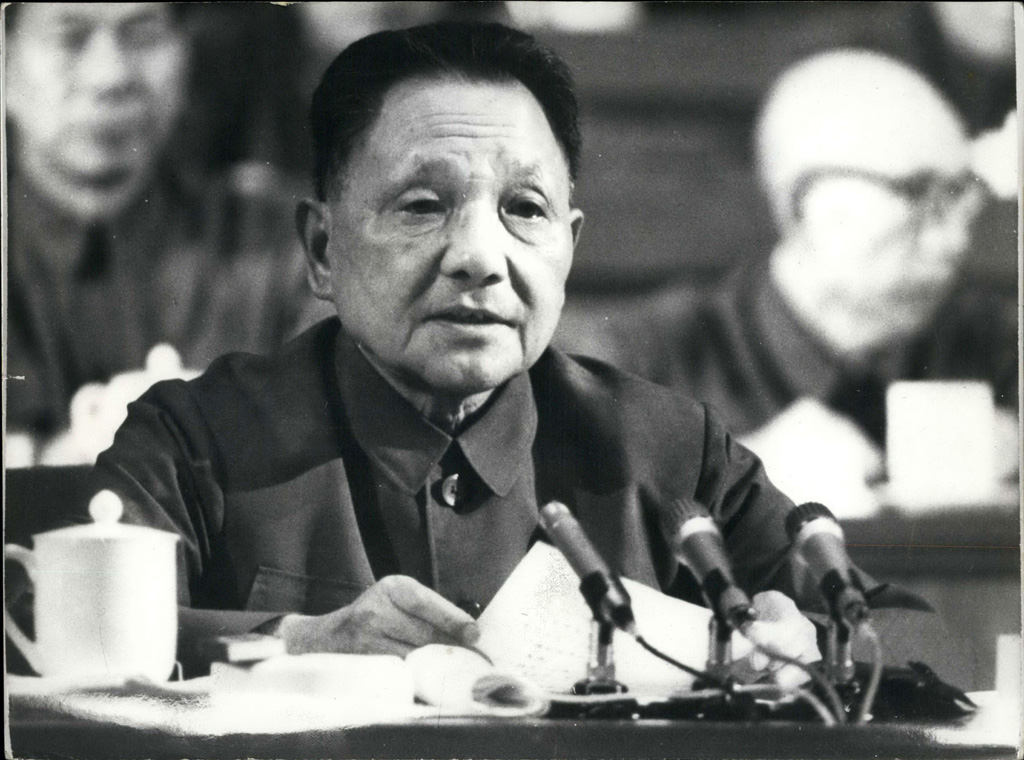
854 109
867 170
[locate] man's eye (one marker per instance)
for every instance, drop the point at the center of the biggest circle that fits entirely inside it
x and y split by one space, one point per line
423 206
525 208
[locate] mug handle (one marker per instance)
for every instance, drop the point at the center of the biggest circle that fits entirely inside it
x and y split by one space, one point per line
25 645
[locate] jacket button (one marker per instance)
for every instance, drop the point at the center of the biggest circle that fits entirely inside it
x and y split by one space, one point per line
450 489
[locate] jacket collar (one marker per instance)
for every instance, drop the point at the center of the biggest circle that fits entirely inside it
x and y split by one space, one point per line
406 445
56 241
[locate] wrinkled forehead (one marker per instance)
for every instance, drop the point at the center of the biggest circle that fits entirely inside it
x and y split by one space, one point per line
426 123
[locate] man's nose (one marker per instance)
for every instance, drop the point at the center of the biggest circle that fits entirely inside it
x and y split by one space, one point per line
104 65
475 254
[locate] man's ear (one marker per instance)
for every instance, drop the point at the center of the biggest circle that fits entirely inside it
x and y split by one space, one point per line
576 224
312 219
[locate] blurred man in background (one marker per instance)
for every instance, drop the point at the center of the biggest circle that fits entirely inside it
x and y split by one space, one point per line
113 246
868 171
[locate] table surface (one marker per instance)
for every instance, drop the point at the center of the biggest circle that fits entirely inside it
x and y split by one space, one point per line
989 733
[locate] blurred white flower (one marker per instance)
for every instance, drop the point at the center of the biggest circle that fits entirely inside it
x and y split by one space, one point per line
97 409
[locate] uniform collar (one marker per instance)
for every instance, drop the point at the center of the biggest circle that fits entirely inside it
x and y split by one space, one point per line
55 240
406 445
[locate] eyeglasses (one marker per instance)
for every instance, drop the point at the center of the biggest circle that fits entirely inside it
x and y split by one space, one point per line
931 195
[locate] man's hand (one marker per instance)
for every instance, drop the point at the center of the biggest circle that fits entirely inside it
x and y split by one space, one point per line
394 616
780 627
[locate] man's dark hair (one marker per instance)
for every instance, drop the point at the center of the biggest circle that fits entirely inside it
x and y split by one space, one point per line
352 90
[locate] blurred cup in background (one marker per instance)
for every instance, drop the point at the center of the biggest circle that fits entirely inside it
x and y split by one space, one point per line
941 443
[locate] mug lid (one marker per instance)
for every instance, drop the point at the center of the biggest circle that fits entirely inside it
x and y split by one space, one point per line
106 509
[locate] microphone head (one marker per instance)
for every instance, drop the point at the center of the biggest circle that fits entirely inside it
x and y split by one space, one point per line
681 512
818 538
798 517
604 593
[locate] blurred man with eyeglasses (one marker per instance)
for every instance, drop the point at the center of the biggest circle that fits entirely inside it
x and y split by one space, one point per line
115 243
868 171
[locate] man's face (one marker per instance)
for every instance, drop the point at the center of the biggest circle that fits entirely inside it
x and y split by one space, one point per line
94 90
886 250
449 236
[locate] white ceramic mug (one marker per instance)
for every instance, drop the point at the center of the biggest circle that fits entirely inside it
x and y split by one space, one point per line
105 599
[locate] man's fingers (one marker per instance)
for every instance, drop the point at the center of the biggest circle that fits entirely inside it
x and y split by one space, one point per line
410 631
390 644
404 628
790 676
420 602
394 616
781 629
773 606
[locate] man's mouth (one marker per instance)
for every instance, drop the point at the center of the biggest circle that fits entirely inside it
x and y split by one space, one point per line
464 315
109 179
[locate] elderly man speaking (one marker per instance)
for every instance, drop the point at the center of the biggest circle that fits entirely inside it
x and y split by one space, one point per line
371 486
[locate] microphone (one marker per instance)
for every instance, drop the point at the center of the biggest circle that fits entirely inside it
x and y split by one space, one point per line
603 591
697 543
818 539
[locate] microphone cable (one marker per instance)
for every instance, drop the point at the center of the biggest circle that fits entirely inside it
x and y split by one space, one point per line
806 695
699 674
819 707
876 672
830 693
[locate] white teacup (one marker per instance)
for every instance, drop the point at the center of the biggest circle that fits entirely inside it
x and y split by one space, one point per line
940 442
105 599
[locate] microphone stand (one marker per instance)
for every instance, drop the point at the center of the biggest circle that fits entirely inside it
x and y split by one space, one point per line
719 662
728 703
847 609
600 678
839 667
818 539
731 610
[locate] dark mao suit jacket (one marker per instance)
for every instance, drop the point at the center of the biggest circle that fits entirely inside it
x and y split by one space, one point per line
247 464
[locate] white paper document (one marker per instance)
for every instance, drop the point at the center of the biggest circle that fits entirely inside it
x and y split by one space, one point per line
538 626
